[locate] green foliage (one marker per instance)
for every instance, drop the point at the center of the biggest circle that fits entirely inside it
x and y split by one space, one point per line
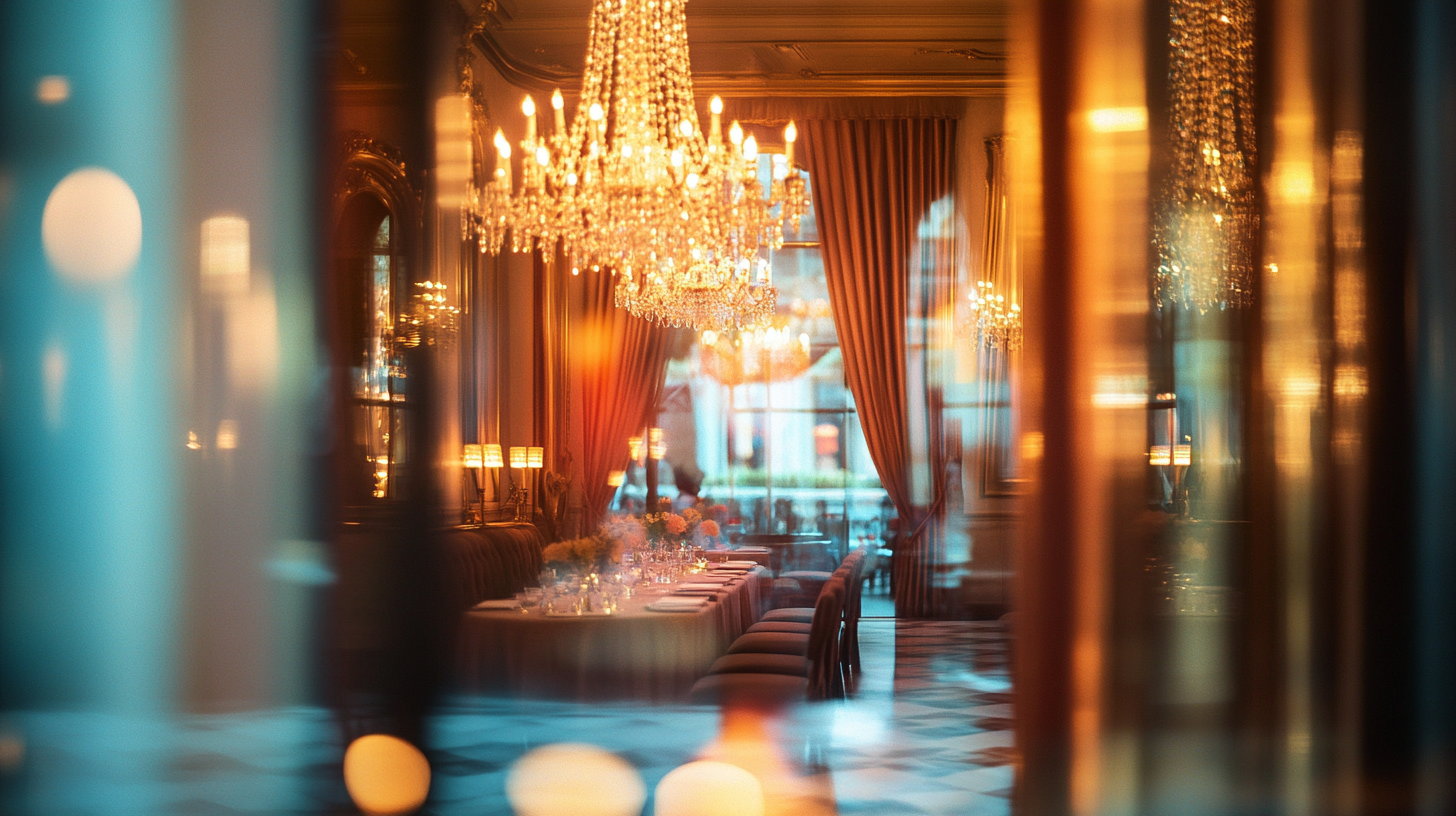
822 479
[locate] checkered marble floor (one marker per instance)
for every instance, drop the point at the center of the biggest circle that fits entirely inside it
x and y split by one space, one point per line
927 732
933 734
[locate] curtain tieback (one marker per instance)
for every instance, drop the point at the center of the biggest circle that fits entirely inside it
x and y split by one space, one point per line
929 513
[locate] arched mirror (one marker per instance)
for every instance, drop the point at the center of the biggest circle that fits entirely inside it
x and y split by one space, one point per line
376 232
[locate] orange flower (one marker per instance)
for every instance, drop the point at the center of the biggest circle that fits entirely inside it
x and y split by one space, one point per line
675 524
709 528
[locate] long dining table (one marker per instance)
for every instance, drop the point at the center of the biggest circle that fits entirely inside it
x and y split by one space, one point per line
636 653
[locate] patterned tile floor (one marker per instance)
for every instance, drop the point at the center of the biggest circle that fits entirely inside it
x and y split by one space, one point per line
926 733
933 735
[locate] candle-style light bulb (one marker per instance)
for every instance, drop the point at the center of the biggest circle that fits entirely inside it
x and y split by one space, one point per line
558 104
750 149
503 160
791 135
715 135
528 107
735 133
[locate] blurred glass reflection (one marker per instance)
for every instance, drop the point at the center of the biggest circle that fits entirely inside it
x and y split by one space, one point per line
1173 340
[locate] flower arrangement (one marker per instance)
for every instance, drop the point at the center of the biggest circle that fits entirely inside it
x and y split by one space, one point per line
594 552
688 527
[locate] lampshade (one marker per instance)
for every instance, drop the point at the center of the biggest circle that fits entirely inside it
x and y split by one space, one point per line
1158 456
518 457
656 448
1182 455
616 478
473 457
535 457
634 448
492 456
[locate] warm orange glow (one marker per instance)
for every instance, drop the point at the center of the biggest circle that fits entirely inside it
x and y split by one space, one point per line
1118 120
634 448
519 457
225 255
1159 456
91 227
616 478
709 788
535 457
53 90
453 160
386 775
568 778
656 447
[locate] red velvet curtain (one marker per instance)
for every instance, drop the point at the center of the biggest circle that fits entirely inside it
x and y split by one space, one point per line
622 360
874 181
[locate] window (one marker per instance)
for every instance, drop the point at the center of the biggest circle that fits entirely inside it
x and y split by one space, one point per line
766 420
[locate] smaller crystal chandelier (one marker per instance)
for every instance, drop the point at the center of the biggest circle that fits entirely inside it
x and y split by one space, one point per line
636 187
430 319
768 354
997 322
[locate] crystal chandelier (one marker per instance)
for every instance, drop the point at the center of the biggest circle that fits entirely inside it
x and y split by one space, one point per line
1207 216
768 354
996 322
636 187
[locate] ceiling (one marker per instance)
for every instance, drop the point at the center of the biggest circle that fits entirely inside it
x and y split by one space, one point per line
785 48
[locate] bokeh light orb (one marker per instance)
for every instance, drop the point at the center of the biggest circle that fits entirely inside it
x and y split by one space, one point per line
709 788
91 227
570 779
385 775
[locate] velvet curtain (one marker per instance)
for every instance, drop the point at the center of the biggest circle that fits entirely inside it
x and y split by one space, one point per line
889 280
622 360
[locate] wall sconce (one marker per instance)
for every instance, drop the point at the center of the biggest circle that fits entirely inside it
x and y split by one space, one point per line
474 457
656 448
491 454
1182 455
535 457
616 478
634 448
520 460
1158 456
473 460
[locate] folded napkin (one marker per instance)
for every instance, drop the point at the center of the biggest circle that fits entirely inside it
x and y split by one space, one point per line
708 585
752 549
507 603
682 604
719 577
733 565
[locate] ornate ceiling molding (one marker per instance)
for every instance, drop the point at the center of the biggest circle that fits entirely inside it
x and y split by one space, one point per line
806 82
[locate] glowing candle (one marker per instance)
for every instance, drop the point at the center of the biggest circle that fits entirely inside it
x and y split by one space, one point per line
503 160
791 134
559 105
716 106
528 107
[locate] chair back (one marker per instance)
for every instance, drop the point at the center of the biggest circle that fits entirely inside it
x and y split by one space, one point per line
823 652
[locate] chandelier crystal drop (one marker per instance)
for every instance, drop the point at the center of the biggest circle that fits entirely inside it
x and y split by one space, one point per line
1206 216
636 187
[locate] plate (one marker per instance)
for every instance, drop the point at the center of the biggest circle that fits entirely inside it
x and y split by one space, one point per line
504 603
